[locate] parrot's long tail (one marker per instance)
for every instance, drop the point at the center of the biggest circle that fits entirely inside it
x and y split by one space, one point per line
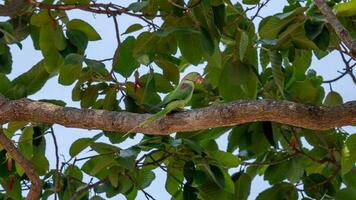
152 119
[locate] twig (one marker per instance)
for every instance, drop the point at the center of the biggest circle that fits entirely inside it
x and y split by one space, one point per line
348 68
7 144
56 184
98 8
88 187
274 162
147 195
145 155
259 8
117 51
88 157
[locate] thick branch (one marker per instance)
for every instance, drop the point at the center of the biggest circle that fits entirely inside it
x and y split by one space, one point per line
342 32
7 144
228 114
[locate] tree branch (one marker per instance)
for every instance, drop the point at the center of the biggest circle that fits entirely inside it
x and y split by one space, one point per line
88 187
227 114
98 8
35 189
342 32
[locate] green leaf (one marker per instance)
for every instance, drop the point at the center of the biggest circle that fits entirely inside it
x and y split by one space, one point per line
278 75
97 67
207 41
126 162
271 26
138 6
110 101
349 179
71 69
346 194
323 39
185 44
317 186
277 173
229 185
244 42
210 191
5 60
84 27
348 154
237 81
40 162
219 16
60 41
251 2
53 60
74 171
162 84
306 92
89 97
199 177
5 84
174 177
78 39
79 145
144 178
279 191
104 148
32 80
133 28
346 9
216 174
235 137
145 43
333 99
46 39
41 18
289 169
189 171
114 177
126 63
20 171
225 158
149 97
193 145
242 186
9 34
25 142
170 70
102 163
313 28
189 192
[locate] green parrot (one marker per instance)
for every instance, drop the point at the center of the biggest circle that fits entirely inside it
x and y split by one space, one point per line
178 98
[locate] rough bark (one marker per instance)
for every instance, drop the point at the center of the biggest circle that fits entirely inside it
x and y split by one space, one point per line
8 145
227 114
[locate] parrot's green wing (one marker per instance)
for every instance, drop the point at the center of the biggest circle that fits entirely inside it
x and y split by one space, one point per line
178 98
184 91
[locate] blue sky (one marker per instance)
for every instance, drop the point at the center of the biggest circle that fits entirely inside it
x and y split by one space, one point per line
27 57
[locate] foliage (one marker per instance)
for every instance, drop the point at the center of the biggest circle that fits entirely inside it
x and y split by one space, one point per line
241 59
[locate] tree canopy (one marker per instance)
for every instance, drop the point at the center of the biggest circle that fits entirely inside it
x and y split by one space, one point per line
259 91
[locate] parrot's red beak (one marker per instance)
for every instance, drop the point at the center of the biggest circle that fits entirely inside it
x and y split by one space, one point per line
199 80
